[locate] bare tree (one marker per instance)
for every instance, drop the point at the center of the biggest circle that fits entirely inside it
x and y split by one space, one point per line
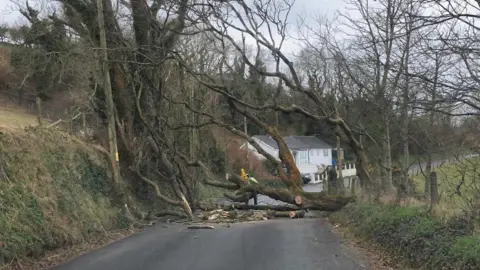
265 24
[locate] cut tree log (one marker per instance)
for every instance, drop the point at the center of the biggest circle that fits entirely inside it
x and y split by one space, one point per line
309 200
298 200
238 206
200 226
242 198
290 214
296 214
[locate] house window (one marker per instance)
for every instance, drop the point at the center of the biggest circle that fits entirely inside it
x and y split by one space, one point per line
302 157
318 152
325 152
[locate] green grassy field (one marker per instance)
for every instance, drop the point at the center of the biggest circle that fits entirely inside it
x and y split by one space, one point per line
458 185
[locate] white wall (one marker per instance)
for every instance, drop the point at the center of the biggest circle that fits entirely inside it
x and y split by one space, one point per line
313 156
318 157
308 168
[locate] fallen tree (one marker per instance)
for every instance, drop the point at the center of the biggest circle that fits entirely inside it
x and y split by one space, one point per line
290 214
236 215
305 200
295 197
141 83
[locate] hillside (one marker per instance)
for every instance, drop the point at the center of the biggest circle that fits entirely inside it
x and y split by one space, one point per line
54 192
14 116
13 119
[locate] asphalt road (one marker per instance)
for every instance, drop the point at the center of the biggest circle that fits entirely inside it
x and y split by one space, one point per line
280 244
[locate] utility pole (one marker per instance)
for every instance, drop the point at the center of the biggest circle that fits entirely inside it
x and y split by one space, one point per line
112 134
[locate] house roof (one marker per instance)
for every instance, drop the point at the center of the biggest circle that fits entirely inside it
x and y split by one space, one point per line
296 142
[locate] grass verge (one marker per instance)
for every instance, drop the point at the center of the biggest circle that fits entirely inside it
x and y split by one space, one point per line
54 192
413 236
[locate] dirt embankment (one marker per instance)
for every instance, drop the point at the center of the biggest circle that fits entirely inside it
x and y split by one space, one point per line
55 192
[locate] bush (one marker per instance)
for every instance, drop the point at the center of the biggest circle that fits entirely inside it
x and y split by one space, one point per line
414 236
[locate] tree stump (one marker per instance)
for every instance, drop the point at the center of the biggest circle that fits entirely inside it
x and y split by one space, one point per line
298 200
297 214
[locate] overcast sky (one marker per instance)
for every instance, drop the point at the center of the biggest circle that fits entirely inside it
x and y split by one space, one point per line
305 8
311 6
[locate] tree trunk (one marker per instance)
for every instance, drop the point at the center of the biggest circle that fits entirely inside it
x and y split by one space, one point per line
290 214
403 181
428 171
362 173
314 201
362 160
406 121
293 179
387 156
332 181
112 135
238 206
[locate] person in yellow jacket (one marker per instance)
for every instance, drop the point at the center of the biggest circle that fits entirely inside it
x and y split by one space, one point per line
243 174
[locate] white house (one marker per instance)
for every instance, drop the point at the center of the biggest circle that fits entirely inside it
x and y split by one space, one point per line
310 152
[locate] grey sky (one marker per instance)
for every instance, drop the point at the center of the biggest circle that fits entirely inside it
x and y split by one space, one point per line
10 15
305 10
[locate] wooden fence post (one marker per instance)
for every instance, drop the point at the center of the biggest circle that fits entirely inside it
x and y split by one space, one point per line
352 185
434 198
39 110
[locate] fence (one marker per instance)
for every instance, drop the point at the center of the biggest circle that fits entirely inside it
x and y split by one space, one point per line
348 170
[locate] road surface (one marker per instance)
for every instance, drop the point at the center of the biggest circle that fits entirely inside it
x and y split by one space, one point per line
280 244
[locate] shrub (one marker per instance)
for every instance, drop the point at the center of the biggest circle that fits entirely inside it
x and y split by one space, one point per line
414 236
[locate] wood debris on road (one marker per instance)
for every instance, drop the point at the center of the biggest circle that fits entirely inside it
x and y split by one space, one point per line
200 226
247 213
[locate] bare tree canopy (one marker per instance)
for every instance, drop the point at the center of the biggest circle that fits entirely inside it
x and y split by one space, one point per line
387 82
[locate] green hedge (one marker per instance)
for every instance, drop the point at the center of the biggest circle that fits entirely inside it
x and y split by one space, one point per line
413 236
